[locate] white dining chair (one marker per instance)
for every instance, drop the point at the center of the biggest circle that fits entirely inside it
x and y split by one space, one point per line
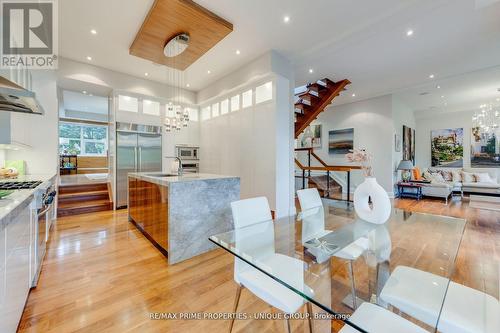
310 199
254 237
418 294
375 319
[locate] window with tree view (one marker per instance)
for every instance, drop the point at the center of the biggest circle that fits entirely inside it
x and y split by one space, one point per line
83 139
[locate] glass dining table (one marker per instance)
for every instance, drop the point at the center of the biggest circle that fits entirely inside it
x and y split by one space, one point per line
348 261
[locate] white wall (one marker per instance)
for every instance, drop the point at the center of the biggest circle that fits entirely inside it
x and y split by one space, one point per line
85 73
401 115
254 143
40 132
441 121
373 130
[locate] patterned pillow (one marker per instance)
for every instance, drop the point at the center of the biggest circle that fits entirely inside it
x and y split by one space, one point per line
447 175
457 176
437 178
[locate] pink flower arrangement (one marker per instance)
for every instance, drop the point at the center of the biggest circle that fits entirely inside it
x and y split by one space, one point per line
362 157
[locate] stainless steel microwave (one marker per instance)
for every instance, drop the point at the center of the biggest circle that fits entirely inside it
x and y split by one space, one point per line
187 153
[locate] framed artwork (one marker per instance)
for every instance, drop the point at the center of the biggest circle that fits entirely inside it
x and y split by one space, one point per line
311 137
408 144
397 142
340 141
485 149
447 147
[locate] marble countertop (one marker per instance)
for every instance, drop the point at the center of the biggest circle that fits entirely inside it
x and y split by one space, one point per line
13 203
157 178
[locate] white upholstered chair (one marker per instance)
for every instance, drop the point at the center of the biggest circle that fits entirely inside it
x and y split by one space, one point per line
310 199
375 319
254 236
419 294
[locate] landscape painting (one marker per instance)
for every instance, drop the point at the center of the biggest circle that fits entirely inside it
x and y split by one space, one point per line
408 144
340 141
484 149
447 147
311 138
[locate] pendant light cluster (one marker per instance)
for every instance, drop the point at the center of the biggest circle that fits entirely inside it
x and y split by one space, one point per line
176 116
488 119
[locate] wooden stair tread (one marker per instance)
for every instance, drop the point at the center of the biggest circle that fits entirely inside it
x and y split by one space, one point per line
89 203
65 189
83 194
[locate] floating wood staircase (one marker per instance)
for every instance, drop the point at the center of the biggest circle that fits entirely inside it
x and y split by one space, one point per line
314 101
84 198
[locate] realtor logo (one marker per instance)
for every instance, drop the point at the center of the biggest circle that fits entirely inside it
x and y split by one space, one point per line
29 34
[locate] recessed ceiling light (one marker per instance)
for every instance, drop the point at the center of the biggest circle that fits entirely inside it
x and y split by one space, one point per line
238 52
353 95
442 96
85 92
311 70
188 85
286 19
431 76
498 99
439 87
93 32
146 74
89 58
208 72
409 33
91 95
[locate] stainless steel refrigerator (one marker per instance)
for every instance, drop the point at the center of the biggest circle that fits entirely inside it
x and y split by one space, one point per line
138 149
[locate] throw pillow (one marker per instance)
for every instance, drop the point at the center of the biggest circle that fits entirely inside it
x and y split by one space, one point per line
417 175
437 177
427 175
457 176
483 178
468 177
447 175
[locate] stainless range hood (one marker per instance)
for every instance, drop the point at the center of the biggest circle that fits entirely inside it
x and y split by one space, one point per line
14 98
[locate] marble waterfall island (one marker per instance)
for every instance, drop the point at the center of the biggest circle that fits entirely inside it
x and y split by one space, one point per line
179 213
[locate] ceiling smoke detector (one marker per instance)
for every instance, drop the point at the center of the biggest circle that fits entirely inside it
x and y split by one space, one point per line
176 45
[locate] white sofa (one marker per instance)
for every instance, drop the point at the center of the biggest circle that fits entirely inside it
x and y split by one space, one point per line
445 189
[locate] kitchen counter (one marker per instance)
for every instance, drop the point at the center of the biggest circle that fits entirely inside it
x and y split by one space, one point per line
11 205
178 214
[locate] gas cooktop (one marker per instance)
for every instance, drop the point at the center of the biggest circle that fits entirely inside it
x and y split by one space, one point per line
19 185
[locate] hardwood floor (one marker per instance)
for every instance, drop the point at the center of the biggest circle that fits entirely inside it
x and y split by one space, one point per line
101 275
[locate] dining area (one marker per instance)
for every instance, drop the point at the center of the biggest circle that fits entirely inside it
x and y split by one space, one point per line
333 271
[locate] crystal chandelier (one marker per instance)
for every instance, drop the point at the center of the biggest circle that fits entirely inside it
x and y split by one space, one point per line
487 119
176 116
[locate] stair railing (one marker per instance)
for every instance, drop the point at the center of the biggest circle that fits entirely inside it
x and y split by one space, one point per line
327 169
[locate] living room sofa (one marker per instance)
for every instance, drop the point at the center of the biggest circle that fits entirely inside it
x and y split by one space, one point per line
445 188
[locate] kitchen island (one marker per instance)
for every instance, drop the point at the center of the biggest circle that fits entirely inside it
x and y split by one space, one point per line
178 213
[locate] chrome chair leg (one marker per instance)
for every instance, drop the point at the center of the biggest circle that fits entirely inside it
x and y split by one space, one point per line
310 319
235 307
353 285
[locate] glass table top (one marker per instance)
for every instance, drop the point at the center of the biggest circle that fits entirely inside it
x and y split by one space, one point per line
403 265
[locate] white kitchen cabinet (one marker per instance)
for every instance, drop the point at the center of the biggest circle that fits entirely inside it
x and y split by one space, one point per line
16 271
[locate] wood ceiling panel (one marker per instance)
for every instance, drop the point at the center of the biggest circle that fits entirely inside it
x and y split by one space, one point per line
168 18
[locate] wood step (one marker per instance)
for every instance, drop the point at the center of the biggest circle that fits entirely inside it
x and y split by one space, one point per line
83 196
76 208
64 189
307 96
